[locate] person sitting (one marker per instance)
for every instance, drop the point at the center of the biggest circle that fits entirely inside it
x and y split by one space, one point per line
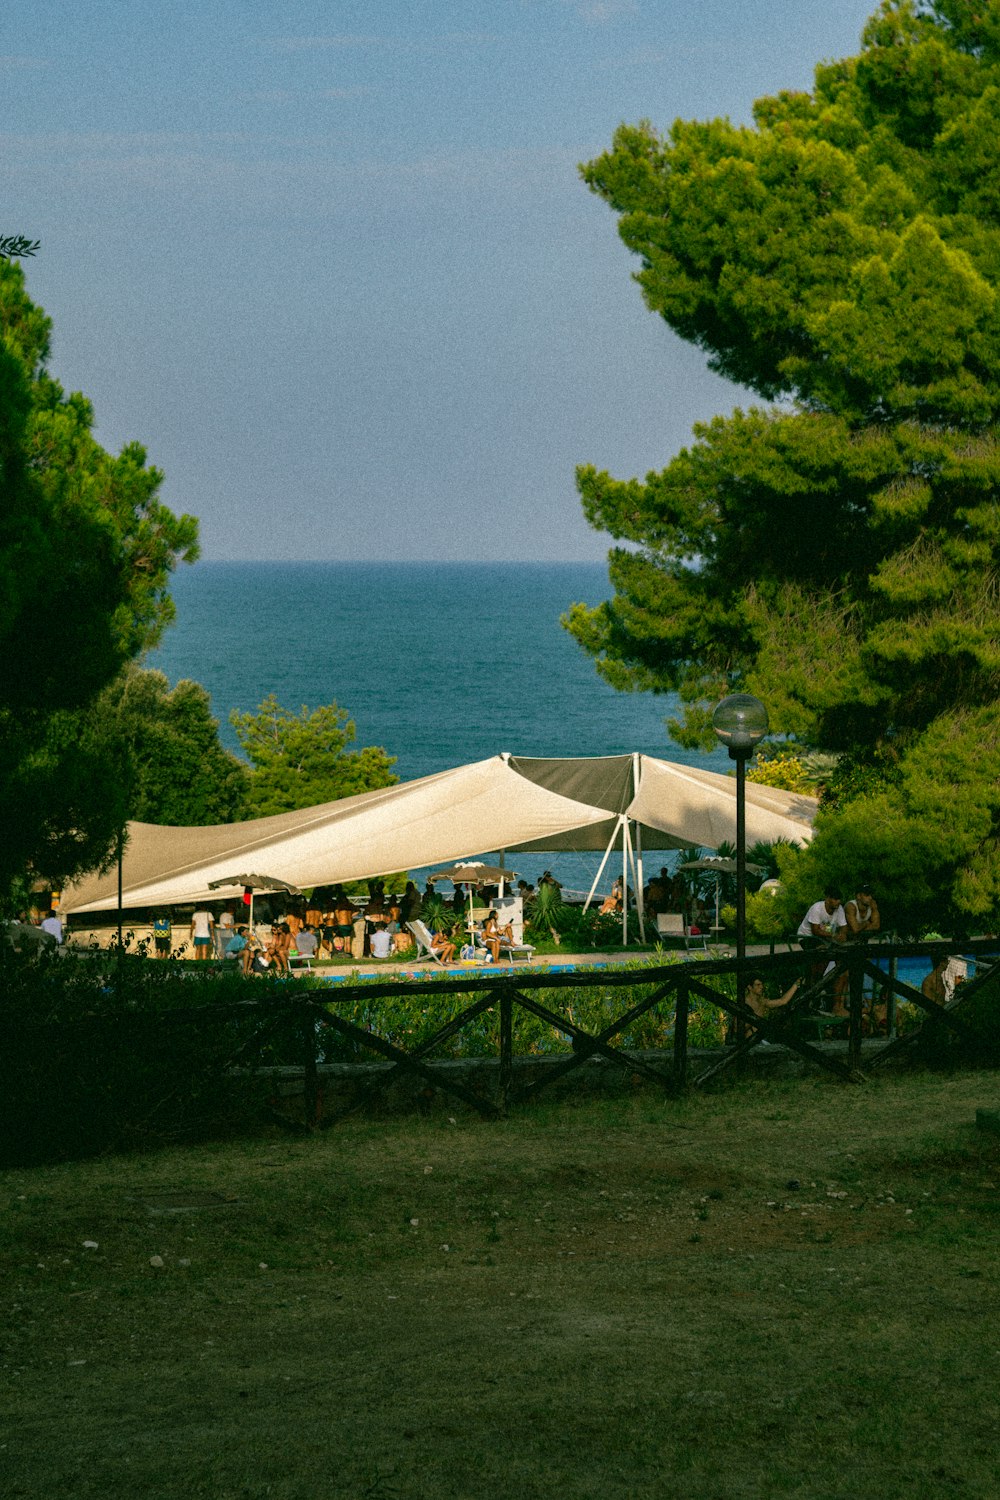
493 935
307 942
236 945
381 942
255 956
402 940
280 946
756 1000
443 946
610 906
824 922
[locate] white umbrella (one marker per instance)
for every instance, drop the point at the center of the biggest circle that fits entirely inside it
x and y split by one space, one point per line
253 883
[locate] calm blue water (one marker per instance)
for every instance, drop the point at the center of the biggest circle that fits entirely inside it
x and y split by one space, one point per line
439 663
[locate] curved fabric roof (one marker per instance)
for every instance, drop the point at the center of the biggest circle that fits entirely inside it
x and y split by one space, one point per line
506 802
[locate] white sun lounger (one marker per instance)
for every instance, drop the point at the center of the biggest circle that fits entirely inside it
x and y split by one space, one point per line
425 942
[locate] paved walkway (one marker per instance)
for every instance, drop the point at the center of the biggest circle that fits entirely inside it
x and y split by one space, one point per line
549 962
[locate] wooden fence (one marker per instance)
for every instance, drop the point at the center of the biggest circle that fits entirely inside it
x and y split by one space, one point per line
802 1025
122 1074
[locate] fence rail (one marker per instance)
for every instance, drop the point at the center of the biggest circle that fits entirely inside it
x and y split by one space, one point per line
145 1067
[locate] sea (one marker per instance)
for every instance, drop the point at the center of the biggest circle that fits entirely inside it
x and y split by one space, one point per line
439 663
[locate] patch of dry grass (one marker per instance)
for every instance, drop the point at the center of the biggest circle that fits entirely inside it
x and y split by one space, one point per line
612 1298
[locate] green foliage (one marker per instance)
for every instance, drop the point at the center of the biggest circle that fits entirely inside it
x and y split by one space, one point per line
438 914
105 1051
837 553
176 769
548 911
302 759
86 550
16 246
785 771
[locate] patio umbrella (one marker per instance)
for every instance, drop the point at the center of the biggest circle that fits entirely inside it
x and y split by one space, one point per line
253 883
474 872
718 868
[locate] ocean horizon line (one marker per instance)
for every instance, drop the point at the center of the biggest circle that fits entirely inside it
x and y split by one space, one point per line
402 562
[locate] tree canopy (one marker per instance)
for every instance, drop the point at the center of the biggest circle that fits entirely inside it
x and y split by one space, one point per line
302 759
86 552
177 770
834 550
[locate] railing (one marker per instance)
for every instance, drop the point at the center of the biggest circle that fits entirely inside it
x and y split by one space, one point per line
675 987
126 1073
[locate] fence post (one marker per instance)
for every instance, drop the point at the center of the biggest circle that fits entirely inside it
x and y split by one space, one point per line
310 1073
890 999
857 992
681 1036
506 1051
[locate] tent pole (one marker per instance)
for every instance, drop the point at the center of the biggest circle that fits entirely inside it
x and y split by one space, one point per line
639 882
624 881
607 852
628 844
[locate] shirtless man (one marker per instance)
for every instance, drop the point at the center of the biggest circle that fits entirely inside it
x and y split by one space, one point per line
758 1002
934 986
343 917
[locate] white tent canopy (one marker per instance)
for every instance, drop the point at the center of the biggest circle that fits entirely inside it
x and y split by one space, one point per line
505 802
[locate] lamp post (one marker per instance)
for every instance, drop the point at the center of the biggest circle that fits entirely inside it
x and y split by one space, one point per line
740 722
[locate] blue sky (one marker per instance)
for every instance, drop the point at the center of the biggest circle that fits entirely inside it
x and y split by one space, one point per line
333 263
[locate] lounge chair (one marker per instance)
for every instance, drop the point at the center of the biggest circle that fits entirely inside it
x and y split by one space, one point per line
507 945
672 924
425 942
511 949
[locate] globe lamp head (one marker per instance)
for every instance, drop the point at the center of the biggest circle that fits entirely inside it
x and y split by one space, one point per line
740 722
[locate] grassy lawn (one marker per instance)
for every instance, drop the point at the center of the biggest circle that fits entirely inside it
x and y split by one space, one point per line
786 1289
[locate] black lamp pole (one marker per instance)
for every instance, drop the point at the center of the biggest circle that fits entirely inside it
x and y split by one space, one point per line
740 721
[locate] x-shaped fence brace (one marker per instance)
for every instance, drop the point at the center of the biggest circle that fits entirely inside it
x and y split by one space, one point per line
678 983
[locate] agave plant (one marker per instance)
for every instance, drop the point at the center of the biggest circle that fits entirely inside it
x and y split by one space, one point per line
548 911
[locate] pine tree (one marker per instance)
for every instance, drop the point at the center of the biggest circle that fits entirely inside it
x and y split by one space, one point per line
835 548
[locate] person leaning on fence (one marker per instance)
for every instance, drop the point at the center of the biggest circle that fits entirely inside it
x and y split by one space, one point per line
862 913
823 923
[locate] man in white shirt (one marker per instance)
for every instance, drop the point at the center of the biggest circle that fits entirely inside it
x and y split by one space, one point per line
52 926
381 943
825 920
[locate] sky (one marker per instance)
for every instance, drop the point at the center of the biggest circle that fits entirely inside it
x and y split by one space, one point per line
333 265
